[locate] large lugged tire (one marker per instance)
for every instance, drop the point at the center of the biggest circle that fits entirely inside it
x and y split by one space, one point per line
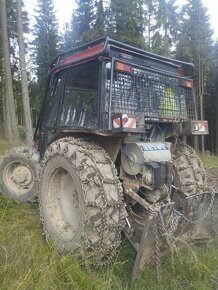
189 174
19 174
81 198
196 207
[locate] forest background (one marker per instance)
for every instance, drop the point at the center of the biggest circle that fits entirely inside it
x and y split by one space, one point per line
160 26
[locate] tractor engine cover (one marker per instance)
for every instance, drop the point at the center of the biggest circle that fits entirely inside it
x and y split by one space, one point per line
150 159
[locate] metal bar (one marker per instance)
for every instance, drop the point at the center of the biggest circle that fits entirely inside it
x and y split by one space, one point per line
137 198
200 193
140 250
152 69
110 95
142 52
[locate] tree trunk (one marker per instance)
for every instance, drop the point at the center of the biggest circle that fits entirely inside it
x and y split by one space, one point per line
201 95
7 120
24 81
12 127
216 118
202 100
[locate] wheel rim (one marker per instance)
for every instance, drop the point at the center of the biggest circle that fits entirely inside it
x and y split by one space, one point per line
18 177
64 204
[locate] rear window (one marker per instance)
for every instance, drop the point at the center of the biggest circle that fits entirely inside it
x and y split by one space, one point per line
80 102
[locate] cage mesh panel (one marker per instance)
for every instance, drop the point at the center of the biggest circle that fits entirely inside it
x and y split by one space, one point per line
155 94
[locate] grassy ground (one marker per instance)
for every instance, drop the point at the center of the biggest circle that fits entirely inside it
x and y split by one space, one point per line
4 146
27 262
209 160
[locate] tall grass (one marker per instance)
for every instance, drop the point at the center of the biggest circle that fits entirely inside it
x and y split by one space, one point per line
209 161
27 262
4 145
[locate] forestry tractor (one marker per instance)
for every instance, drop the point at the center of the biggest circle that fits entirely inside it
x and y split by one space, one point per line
110 155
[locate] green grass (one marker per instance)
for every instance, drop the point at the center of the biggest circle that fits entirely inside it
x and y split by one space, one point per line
209 160
4 145
28 262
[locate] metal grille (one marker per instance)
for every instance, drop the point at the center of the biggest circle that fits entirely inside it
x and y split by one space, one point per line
155 94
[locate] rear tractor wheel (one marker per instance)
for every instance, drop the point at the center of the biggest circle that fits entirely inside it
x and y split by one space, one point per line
190 181
194 198
19 174
189 174
81 199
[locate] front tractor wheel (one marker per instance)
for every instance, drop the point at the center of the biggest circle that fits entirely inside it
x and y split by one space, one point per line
81 198
19 174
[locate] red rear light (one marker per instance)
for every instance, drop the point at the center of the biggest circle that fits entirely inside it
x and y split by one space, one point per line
187 84
123 67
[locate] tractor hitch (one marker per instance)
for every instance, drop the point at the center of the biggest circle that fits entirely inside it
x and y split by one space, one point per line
186 220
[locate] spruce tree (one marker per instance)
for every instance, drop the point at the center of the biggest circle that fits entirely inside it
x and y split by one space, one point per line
82 22
212 105
195 45
162 25
89 22
66 39
45 44
215 95
100 19
126 22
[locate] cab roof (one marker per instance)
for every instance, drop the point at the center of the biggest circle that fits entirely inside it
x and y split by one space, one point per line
108 47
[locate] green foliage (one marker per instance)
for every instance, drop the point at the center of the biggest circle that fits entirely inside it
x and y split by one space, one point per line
195 32
82 22
35 100
126 22
195 42
100 19
45 44
67 42
211 107
89 21
162 25
121 20
195 45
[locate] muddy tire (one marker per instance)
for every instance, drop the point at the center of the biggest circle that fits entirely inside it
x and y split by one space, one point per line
81 200
189 174
19 174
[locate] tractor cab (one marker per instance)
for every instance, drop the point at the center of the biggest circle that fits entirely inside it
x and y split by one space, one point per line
108 88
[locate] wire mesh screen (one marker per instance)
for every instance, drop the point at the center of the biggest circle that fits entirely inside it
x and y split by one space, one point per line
157 95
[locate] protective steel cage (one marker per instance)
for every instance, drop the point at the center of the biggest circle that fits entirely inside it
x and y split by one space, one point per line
156 94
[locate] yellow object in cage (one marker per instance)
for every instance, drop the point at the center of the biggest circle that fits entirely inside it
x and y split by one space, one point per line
168 104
